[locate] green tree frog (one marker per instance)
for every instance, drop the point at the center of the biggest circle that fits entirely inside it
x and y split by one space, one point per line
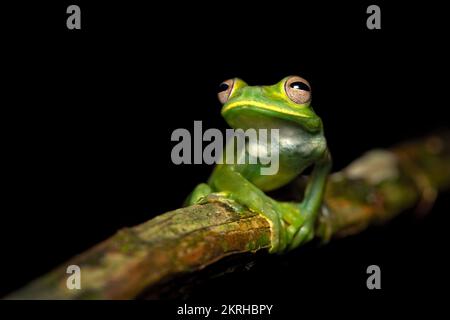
285 106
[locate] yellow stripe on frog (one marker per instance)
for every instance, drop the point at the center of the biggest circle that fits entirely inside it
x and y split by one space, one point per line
263 106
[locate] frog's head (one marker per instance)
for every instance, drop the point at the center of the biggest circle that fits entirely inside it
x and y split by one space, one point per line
247 106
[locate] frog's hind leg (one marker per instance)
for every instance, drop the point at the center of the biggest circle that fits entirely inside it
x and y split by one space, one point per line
301 227
200 191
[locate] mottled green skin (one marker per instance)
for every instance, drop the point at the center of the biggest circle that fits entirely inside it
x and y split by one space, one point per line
301 144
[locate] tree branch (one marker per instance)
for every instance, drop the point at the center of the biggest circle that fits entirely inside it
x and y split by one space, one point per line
371 190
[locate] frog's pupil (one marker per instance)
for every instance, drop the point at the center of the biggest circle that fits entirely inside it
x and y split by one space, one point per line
299 85
223 87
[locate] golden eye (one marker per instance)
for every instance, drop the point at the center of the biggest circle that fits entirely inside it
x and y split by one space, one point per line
298 90
224 91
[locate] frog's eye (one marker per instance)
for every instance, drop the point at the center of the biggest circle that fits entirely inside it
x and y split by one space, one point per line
224 91
298 90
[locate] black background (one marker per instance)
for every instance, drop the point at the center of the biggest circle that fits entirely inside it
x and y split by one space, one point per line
88 116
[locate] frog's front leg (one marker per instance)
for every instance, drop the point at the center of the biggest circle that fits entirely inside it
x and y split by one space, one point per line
238 188
301 228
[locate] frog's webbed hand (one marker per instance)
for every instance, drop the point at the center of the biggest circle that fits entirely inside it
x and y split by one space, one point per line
301 228
202 190
203 193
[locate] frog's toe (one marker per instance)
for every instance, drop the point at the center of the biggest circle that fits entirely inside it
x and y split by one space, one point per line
199 192
304 234
223 198
279 235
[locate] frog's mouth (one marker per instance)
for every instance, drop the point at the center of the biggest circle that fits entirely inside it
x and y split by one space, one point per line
262 106
258 115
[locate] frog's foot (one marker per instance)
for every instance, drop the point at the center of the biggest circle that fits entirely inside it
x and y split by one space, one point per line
304 234
298 225
301 227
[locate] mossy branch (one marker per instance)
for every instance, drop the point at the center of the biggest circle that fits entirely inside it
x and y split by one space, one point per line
371 190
